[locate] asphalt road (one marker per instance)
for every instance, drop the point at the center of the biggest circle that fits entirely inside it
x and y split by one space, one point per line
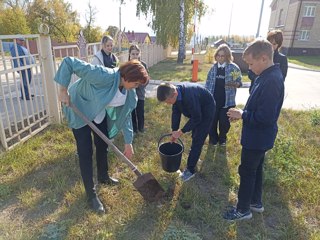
302 89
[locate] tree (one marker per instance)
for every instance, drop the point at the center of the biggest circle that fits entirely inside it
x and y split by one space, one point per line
13 21
112 31
166 15
91 33
16 4
182 35
62 21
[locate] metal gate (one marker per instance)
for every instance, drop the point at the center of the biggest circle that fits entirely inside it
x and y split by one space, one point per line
28 94
23 102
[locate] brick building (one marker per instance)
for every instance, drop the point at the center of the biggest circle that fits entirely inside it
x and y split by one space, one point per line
300 22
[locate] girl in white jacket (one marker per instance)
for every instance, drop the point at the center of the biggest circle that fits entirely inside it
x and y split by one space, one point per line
105 57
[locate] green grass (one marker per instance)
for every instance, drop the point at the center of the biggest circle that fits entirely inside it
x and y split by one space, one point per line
42 197
169 70
312 62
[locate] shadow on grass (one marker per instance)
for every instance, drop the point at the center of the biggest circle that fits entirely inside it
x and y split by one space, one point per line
39 199
276 222
149 218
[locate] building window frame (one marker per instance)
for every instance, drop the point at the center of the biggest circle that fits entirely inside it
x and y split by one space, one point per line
309 11
304 35
280 22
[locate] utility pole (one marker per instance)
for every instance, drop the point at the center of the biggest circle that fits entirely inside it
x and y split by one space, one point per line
120 33
261 11
230 22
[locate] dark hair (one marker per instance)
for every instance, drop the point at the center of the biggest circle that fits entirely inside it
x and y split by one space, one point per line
258 48
134 71
106 38
165 91
133 47
227 51
277 36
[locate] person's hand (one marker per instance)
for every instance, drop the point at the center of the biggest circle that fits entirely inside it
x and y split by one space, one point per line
232 84
175 135
234 114
128 151
64 97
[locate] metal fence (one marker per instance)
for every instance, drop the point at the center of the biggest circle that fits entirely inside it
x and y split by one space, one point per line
23 101
21 118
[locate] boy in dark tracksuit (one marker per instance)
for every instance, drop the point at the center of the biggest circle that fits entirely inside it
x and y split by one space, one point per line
196 103
259 127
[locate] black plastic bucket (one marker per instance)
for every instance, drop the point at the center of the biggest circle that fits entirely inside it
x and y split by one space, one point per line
170 154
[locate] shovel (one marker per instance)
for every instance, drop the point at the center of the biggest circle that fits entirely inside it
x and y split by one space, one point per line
146 184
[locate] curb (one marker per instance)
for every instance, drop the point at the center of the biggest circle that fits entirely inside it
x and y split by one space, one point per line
158 82
303 68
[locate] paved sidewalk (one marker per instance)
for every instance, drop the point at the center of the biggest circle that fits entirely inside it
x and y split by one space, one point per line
302 87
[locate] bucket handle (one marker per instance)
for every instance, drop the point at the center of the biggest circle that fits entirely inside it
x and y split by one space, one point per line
167 135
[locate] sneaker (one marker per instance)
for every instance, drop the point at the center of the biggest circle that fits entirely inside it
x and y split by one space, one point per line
213 142
256 208
233 215
223 144
186 175
109 181
96 205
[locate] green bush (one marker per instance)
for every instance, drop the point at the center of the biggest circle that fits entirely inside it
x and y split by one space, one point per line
315 117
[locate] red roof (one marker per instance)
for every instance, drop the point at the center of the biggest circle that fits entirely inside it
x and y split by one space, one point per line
138 37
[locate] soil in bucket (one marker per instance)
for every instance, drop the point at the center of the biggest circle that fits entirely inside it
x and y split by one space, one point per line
170 154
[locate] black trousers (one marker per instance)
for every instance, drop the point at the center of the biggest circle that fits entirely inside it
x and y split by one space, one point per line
221 118
251 174
199 135
138 116
83 138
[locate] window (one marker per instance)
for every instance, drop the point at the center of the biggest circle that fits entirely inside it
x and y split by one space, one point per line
304 35
280 22
309 11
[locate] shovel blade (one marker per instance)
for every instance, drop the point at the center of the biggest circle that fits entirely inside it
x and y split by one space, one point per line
149 187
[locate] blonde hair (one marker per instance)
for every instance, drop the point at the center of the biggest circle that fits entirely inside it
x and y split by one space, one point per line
227 51
258 48
106 38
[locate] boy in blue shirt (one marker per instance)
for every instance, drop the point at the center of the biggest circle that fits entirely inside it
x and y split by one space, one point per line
259 127
196 103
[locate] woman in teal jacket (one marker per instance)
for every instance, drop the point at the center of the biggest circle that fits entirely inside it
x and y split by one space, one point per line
107 97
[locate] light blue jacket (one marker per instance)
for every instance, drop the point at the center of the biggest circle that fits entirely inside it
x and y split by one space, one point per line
233 73
91 94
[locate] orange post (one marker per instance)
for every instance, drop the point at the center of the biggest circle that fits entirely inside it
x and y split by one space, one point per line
195 70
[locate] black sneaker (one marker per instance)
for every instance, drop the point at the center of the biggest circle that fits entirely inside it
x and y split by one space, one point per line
96 205
109 181
256 208
233 214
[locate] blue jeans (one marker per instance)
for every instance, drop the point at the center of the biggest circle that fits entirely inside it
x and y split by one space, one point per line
84 147
251 174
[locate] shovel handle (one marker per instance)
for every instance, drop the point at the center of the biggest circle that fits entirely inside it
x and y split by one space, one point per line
106 140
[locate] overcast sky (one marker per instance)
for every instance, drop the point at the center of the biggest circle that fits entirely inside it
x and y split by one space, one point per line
244 16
